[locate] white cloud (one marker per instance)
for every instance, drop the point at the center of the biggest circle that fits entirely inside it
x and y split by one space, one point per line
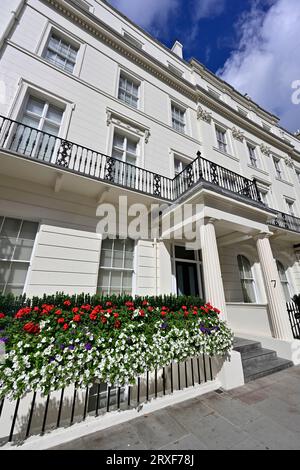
267 60
147 13
209 8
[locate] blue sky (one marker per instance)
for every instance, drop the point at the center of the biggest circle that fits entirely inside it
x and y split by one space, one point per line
252 44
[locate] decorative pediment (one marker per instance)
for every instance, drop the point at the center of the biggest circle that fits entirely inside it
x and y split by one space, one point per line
203 114
265 150
238 134
124 123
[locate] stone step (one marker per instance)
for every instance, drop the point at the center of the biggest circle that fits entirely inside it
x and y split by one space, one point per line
245 345
267 367
256 356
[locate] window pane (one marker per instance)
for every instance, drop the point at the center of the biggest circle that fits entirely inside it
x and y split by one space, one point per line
54 114
35 106
119 141
182 253
127 281
11 227
116 279
106 258
118 259
248 292
103 279
128 262
4 272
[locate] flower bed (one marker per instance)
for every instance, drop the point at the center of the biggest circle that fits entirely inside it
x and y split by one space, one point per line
51 346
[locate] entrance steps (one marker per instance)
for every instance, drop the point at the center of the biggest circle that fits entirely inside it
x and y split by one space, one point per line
257 361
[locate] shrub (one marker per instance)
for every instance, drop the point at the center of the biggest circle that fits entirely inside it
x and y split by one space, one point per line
52 345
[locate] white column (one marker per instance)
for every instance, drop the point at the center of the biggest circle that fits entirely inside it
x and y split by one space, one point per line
277 305
214 290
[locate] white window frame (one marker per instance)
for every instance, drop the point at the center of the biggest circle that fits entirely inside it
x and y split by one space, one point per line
253 156
291 205
297 171
278 169
125 76
27 89
182 110
111 269
285 282
67 36
135 78
127 136
245 279
27 262
219 142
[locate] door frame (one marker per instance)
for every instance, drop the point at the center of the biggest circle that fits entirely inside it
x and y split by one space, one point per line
197 262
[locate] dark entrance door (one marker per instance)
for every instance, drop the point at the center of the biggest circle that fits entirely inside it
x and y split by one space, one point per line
187 279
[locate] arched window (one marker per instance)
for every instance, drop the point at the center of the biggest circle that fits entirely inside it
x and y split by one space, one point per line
284 281
247 280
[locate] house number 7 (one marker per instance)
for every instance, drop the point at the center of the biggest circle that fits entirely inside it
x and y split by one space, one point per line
274 283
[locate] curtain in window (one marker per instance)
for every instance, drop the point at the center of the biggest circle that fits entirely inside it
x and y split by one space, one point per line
247 280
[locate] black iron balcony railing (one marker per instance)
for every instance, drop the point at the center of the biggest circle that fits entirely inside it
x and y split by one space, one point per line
286 221
51 150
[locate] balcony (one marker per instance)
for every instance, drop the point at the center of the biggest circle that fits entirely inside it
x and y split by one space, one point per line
32 144
286 222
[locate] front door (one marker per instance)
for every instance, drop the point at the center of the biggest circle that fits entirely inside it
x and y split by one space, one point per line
187 279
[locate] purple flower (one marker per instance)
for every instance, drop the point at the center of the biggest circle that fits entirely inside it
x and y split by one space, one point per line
4 340
71 347
52 359
164 326
62 347
88 346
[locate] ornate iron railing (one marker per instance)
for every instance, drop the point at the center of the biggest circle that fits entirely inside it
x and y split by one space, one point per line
51 150
202 170
286 221
294 316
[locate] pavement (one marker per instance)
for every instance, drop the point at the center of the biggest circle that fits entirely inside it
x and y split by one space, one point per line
262 415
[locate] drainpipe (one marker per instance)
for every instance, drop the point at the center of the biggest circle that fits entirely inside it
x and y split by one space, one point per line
14 18
156 266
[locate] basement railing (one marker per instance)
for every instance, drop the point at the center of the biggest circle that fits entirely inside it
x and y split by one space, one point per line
35 414
33 144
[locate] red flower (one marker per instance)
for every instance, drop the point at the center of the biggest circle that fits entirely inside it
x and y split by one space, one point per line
195 312
67 303
216 310
117 324
164 308
36 309
184 307
58 312
93 316
22 312
108 304
86 307
31 328
186 314
61 320
65 327
116 315
164 313
204 309
77 318
2 315
142 313
75 310
129 304
150 309
47 307
103 320
145 303
109 310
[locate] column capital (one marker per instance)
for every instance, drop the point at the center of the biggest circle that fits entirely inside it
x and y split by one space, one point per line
262 236
210 220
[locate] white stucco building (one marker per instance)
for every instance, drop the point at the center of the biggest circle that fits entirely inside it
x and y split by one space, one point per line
86 84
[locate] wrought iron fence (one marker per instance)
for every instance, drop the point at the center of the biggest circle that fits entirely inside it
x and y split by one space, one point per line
286 221
37 415
51 150
294 316
204 170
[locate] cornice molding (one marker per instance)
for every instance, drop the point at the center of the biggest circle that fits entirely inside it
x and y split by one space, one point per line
112 38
